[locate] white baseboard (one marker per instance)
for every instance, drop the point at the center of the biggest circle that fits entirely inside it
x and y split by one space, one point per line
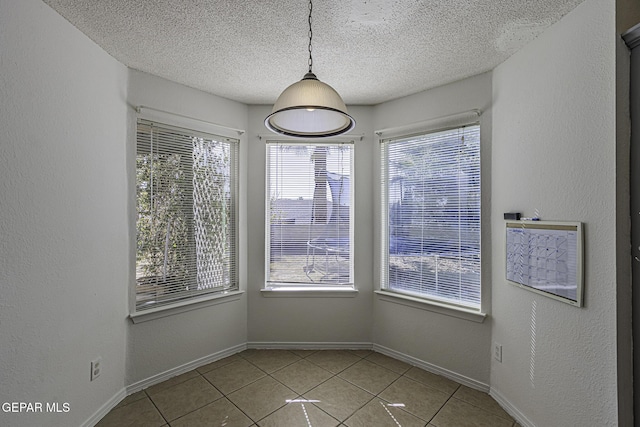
178 370
511 410
104 409
375 347
156 379
469 382
280 345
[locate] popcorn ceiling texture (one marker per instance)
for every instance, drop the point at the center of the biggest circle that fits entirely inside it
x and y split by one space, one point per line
370 51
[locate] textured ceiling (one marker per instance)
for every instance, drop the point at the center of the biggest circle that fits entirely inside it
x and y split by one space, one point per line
370 51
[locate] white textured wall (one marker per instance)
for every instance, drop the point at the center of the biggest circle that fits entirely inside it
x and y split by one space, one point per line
554 153
306 319
66 225
160 345
461 346
63 217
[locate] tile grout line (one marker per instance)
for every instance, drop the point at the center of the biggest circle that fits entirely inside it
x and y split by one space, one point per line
243 386
425 385
336 375
513 421
267 374
279 407
300 394
225 396
198 408
318 385
333 375
156 406
444 404
400 375
403 410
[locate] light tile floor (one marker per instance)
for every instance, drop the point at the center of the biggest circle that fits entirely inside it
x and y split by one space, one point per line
326 388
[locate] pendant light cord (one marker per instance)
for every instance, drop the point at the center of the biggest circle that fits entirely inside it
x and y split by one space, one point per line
293 113
310 35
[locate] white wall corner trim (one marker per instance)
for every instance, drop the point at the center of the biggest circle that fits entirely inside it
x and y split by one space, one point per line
469 382
511 410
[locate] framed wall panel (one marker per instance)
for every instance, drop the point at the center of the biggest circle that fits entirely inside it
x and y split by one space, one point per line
546 257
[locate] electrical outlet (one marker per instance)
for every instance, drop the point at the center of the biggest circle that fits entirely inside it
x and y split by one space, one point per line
96 368
497 352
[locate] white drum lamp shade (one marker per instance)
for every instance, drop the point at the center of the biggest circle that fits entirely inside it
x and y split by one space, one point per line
309 109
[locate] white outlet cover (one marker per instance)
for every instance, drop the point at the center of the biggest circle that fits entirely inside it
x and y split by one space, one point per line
497 352
96 368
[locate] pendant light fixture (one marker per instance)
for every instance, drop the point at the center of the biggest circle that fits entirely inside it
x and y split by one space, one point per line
309 108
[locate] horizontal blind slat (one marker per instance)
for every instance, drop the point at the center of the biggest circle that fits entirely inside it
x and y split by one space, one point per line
309 213
431 204
186 227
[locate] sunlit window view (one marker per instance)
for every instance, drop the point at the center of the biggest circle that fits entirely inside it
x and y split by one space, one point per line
431 215
309 214
186 220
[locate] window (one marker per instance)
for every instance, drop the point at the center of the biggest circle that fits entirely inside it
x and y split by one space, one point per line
431 216
186 186
309 220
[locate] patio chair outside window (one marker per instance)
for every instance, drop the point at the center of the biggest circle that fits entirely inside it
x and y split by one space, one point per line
309 214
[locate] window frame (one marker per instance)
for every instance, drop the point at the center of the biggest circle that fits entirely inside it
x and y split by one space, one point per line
414 299
205 297
307 289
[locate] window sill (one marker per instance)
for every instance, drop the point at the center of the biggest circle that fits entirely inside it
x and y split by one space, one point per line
308 292
181 307
433 306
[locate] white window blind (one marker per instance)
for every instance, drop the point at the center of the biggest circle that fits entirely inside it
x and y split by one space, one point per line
186 186
309 230
431 216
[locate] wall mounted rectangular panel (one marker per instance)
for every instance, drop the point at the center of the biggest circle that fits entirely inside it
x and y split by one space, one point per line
546 257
